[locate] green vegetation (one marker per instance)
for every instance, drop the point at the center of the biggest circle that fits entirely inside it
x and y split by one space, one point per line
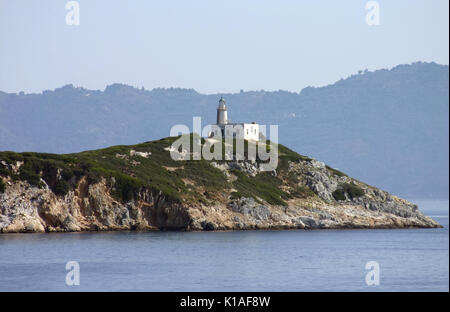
2 185
263 185
339 194
126 187
125 173
61 187
336 172
350 189
302 192
39 165
4 172
129 173
285 155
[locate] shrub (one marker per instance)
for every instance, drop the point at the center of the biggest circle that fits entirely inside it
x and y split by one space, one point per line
2 186
61 188
302 192
339 194
30 177
4 172
132 174
127 187
353 191
263 185
350 189
336 172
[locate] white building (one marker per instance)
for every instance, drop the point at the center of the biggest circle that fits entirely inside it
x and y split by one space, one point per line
247 131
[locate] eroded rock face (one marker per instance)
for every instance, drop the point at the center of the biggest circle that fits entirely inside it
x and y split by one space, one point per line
322 181
251 168
318 178
25 208
90 207
248 206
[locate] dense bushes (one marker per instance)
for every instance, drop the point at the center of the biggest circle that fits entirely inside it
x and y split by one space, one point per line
126 187
2 185
302 191
61 187
27 174
4 172
127 174
263 185
350 189
339 194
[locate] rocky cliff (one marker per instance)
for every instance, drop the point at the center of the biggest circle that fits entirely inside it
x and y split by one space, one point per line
141 188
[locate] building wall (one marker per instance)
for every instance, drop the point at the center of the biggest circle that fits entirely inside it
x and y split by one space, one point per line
243 130
251 132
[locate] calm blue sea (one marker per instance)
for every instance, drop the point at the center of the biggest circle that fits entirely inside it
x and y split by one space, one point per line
409 260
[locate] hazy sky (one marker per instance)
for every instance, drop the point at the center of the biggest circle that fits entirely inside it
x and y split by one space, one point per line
212 46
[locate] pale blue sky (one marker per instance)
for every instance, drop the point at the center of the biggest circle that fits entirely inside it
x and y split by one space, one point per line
212 46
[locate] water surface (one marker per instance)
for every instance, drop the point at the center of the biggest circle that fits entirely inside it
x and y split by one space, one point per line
296 260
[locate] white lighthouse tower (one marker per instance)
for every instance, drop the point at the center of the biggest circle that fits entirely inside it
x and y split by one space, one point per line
227 129
222 115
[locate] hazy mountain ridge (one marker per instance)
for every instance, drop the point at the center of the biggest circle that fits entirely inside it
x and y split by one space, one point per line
387 127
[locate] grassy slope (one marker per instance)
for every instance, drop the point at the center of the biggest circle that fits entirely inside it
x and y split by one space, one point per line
193 181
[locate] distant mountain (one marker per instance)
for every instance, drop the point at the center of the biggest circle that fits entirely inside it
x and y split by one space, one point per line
389 128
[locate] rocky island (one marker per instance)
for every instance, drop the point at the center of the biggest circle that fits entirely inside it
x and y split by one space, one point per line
141 187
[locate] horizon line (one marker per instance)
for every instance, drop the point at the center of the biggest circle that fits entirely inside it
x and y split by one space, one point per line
359 72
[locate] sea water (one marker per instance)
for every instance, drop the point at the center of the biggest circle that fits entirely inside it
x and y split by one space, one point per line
292 260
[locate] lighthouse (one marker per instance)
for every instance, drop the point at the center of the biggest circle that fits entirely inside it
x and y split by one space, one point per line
227 129
222 115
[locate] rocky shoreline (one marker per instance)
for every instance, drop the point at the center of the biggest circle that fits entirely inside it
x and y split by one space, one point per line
142 188
90 207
